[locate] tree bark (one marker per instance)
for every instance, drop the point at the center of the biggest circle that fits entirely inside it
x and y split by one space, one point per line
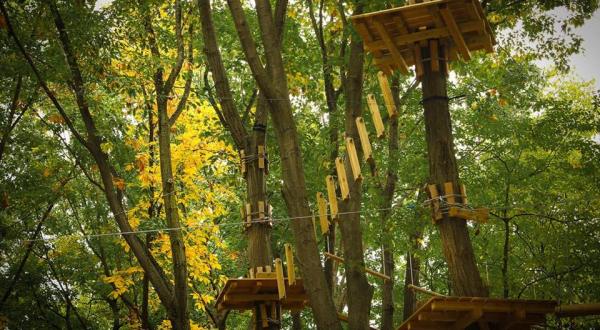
456 243
360 291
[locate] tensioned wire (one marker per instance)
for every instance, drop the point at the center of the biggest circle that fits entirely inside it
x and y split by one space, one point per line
201 225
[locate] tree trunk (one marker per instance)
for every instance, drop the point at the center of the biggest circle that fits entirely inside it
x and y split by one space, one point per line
179 317
457 247
505 289
360 291
411 276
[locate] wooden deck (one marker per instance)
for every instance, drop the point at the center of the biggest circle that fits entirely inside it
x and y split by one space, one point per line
390 35
487 313
245 293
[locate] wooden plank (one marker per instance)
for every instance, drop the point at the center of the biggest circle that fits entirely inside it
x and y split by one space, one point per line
265 274
243 161
248 213
344 318
480 215
384 84
376 116
263 316
439 316
363 134
353 157
455 33
578 310
433 195
434 55
363 30
289 259
468 318
280 278
391 47
418 61
449 193
261 156
434 33
342 178
422 290
331 195
261 210
463 194
367 270
322 206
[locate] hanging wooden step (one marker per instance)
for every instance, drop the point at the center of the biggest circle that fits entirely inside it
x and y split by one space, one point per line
342 178
332 197
322 206
376 116
387 94
353 157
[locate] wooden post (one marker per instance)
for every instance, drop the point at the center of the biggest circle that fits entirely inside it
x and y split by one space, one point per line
331 195
435 203
280 278
322 205
342 178
465 277
289 259
242 162
353 157
261 156
376 115
449 193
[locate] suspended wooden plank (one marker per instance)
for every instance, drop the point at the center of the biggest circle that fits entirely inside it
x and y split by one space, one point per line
280 278
322 206
261 156
314 223
353 157
289 259
387 94
363 134
331 195
376 115
342 178
434 196
367 270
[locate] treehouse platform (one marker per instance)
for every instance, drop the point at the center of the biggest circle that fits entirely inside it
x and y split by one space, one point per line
487 313
245 293
391 35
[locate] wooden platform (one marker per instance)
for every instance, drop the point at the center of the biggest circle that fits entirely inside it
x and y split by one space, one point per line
390 35
245 293
487 313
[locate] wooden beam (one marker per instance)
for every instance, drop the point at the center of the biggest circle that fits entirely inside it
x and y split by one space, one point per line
261 210
384 84
480 215
322 205
263 316
353 157
422 290
289 258
243 161
577 310
438 316
331 195
248 213
367 270
468 318
376 116
391 47
418 61
435 33
342 178
344 318
455 32
363 30
280 278
363 134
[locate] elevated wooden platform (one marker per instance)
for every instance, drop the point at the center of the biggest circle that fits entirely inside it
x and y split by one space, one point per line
487 313
390 35
245 293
